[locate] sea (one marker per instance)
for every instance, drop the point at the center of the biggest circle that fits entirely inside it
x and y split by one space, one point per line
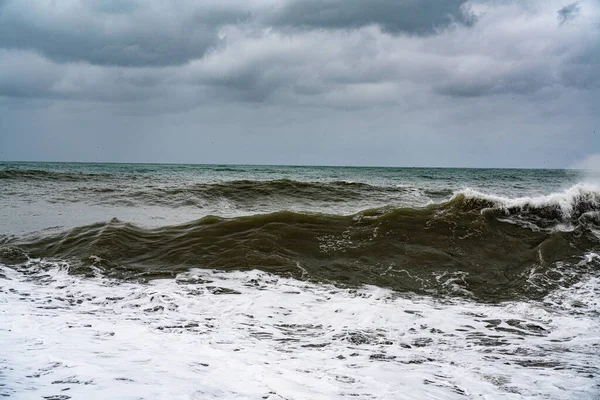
148 281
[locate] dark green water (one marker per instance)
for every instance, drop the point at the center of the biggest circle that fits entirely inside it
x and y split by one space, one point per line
485 233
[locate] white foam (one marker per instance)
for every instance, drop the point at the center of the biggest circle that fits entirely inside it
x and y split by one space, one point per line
565 201
280 338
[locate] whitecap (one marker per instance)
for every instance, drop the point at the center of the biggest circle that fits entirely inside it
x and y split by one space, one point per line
249 335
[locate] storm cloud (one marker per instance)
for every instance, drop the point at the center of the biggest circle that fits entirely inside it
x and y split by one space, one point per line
416 61
122 33
417 17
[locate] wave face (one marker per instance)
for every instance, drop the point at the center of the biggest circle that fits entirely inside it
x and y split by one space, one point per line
140 190
249 194
488 234
482 246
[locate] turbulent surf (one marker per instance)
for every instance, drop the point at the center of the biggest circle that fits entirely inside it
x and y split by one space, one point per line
504 252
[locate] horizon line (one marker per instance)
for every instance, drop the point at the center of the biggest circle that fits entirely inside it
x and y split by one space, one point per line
276 165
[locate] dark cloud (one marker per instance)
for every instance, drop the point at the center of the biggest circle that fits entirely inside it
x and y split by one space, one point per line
157 33
396 16
350 55
124 33
568 12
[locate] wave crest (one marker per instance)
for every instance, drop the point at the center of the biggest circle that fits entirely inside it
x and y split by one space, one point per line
581 200
42 175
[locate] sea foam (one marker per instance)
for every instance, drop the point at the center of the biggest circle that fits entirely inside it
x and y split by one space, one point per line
575 200
249 335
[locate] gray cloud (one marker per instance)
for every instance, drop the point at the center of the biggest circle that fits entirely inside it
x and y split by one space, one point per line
463 132
136 65
342 67
568 12
154 33
124 33
395 16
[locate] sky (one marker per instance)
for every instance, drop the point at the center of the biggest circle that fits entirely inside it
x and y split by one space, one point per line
455 83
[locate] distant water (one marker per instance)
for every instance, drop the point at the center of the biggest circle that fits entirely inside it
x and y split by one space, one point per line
131 280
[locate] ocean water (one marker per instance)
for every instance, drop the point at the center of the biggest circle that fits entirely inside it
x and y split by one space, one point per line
245 282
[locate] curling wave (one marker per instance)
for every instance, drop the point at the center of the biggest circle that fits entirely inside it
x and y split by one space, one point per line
580 203
475 244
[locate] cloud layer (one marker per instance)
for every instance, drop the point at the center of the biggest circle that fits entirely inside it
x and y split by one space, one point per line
416 57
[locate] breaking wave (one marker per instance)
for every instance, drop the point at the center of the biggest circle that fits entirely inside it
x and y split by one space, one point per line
581 200
475 244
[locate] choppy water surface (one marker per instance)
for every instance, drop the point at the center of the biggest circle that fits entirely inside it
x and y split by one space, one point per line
154 281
